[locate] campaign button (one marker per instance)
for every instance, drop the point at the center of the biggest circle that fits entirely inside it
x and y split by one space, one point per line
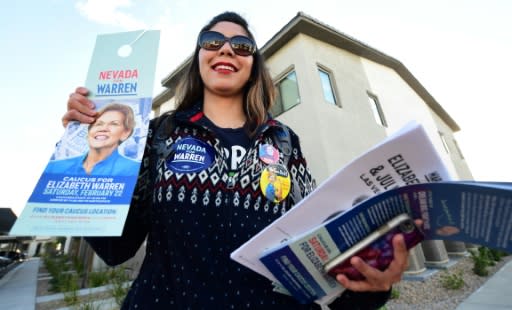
190 155
275 182
268 154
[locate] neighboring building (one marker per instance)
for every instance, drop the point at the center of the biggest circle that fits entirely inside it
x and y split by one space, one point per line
11 243
7 219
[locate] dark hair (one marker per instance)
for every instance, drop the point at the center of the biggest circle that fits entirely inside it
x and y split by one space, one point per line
259 93
129 117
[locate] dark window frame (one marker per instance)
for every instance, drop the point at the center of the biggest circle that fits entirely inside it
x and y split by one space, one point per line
444 142
279 106
377 110
332 84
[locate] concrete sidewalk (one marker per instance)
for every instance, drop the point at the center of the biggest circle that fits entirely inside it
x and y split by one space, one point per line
18 288
495 294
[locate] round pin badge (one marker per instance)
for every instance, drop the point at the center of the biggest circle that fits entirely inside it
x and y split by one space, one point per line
268 154
190 155
275 182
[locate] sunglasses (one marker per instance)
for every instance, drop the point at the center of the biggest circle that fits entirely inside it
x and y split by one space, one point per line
213 41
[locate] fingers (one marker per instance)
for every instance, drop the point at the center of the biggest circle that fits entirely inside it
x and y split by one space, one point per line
82 90
418 222
400 253
376 280
372 282
79 107
79 101
74 115
356 286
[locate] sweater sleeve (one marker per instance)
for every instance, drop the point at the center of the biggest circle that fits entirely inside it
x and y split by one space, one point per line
116 250
360 300
302 180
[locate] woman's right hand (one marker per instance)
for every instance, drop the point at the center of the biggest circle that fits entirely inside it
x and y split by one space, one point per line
80 108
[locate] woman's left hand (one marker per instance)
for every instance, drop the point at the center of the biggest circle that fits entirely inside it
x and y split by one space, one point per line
377 280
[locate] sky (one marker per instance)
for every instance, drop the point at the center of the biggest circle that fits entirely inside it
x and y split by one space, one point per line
459 50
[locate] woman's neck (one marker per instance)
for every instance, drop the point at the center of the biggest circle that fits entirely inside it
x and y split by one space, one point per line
224 112
94 156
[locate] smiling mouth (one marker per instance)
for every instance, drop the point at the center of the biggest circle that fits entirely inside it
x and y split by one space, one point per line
101 137
224 67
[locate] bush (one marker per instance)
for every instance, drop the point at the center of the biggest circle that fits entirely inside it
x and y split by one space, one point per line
63 279
78 265
481 260
69 286
118 277
497 255
453 281
394 293
66 281
98 278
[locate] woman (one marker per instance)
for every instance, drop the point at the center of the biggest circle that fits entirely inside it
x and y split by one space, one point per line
194 220
113 125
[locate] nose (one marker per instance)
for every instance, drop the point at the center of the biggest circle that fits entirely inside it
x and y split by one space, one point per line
103 127
226 49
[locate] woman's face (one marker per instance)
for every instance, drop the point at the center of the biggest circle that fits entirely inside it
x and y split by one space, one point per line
223 72
108 131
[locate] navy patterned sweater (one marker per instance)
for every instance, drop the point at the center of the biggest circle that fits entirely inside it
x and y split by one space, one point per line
193 221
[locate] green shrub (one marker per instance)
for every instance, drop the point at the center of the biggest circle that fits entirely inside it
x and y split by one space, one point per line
394 293
89 306
69 286
481 261
497 255
65 280
453 281
78 265
98 278
118 278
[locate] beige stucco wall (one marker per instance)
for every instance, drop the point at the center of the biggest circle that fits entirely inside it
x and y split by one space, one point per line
460 165
401 105
323 127
331 136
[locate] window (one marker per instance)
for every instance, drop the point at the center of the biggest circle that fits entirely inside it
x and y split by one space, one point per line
327 88
378 114
458 149
287 96
445 144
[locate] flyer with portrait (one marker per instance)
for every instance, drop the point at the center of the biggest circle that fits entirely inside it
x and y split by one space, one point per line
87 186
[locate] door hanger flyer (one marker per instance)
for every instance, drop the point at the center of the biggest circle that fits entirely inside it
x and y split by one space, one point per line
86 188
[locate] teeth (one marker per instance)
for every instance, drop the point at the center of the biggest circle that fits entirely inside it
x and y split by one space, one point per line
101 137
224 67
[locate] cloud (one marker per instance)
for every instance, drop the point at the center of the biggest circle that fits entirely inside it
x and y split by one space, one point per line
109 13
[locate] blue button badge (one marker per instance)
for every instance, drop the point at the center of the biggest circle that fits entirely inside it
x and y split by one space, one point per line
190 155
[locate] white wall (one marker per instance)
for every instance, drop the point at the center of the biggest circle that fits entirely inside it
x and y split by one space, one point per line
331 136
